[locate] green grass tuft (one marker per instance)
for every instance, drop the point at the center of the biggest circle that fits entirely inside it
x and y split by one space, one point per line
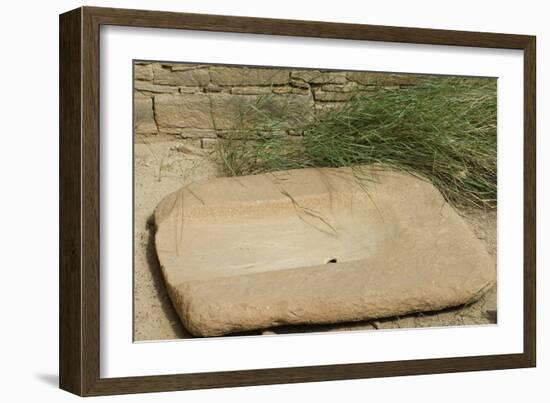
443 129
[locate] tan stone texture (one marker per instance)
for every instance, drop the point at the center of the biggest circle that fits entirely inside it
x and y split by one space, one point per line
183 110
248 76
164 75
144 121
143 72
147 86
255 252
222 111
319 77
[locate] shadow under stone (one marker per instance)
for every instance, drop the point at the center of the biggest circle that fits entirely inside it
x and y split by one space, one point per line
158 282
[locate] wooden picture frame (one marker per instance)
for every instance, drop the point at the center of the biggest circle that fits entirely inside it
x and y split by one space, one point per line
79 281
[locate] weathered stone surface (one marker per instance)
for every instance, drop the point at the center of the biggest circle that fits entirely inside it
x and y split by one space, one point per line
213 88
324 96
199 111
173 131
248 76
185 110
144 121
250 90
283 90
381 79
189 90
290 90
208 143
319 77
291 110
205 91
299 84
225 109
348 87
251 252
148 86
221 111
197 133
186 66
143 72
190 77
188 133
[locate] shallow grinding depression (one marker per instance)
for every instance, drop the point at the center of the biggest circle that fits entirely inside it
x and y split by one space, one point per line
314 246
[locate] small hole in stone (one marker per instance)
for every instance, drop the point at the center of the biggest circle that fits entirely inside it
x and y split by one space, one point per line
333 260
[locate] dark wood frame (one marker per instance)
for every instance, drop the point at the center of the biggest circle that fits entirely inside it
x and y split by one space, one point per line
79 201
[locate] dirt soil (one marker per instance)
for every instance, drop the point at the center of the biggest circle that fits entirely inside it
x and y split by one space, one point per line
163 165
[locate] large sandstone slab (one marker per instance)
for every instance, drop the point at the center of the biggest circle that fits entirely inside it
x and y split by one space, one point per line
313 246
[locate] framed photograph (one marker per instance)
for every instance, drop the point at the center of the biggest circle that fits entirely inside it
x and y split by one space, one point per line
248 201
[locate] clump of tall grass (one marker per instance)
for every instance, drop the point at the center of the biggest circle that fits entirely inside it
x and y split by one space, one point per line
442 129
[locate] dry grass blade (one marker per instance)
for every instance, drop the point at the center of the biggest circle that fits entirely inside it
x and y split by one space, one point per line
443 129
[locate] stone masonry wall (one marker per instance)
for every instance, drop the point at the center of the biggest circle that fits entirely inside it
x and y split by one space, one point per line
201 102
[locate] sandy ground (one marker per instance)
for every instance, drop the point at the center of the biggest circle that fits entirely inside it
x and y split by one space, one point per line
163 165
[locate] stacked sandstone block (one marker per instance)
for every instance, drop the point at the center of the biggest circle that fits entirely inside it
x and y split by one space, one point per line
201 102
